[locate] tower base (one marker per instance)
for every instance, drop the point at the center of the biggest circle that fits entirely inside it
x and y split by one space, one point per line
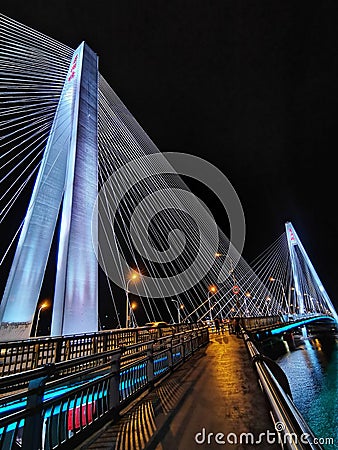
15 331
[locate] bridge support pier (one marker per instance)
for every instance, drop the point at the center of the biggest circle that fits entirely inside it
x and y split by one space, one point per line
289 339
304 332
66 182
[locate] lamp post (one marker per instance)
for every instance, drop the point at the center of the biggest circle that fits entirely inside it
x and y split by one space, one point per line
311 300
135 276
43 306
268 300
179 306
212 290
290 300
232 273
247 295
133 322
272 279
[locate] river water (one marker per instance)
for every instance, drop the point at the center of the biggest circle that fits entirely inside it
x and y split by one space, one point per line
312 373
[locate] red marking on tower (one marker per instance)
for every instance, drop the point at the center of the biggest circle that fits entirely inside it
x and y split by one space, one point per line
73 68
292 236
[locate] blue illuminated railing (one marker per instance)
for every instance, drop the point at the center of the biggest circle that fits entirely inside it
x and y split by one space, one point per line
60 405
266 332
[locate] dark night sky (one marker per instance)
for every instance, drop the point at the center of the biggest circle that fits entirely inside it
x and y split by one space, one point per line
249 86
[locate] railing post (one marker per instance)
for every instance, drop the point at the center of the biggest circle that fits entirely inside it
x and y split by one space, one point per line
58 350
94 344
114 386
150 365
104 344
183 342
32 430
35 357
170 355
191 343
200 338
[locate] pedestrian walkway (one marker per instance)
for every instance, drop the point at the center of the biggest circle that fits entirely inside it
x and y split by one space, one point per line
216 391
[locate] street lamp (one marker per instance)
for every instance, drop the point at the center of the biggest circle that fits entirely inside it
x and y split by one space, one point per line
179 306
290 300
311 300
268 300
134 276
272 279
232 273
44 305
247 295
133 322
211 290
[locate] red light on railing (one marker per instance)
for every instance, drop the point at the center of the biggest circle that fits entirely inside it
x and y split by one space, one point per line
86 412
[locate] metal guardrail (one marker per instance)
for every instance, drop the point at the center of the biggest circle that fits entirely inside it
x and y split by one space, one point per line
252 323
53 413
294 320
294 432
20 356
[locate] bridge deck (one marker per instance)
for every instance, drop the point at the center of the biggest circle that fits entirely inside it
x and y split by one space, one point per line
217 390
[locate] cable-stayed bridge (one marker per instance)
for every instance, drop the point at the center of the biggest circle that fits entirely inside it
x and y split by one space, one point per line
102 203
76 143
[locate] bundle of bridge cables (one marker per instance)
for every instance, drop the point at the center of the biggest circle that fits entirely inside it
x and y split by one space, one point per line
150 221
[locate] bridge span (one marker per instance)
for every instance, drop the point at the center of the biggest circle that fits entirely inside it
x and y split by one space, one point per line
99 179
212 400
228 395
299 322
191 389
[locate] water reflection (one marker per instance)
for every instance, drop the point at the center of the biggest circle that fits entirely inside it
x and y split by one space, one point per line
312 374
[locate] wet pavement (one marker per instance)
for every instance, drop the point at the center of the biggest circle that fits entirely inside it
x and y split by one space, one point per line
207 403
